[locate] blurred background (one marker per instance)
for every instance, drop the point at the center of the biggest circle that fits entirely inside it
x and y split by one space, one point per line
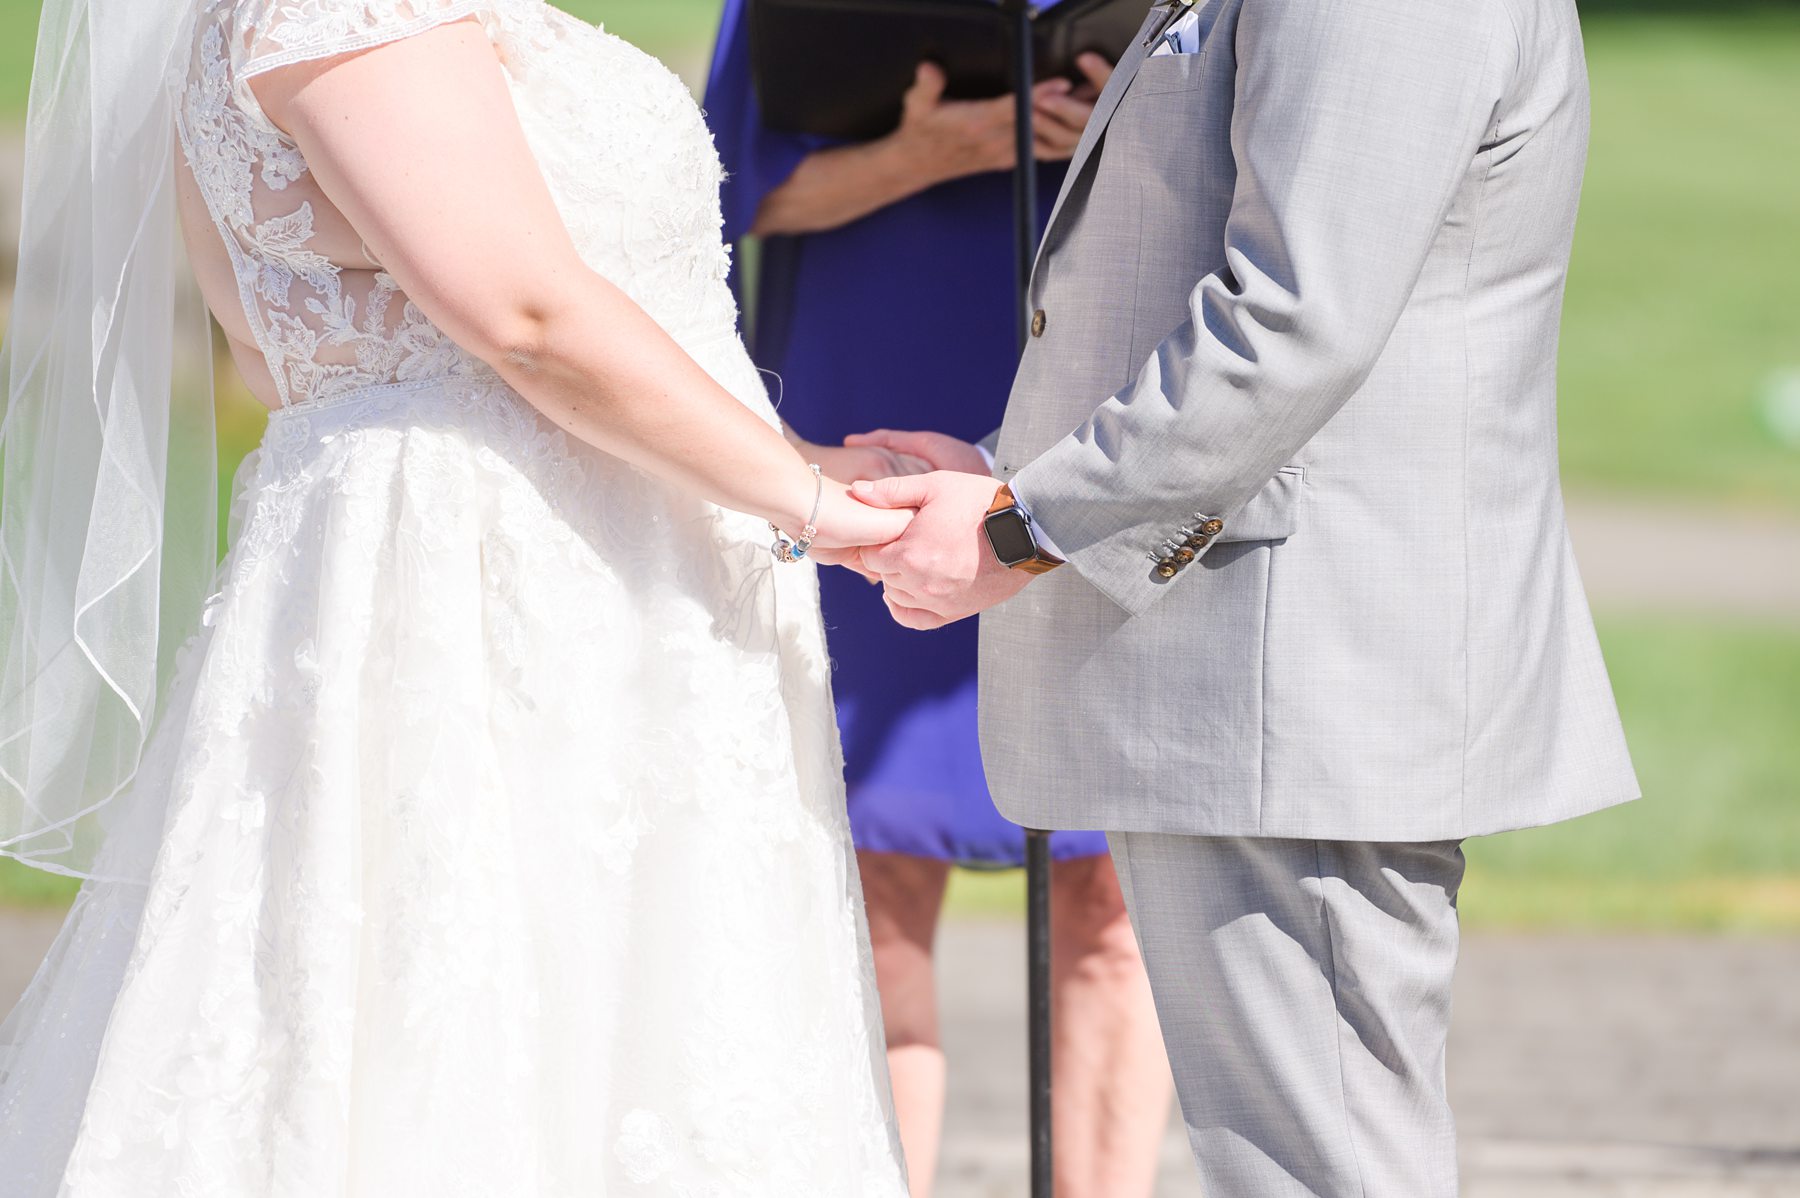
1628 1021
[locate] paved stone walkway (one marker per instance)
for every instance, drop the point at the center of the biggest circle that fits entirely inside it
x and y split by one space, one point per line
1624 547
1583 1066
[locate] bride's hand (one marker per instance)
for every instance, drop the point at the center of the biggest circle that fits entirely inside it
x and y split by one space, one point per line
846 523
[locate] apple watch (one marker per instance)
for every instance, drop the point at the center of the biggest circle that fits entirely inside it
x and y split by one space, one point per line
1012 538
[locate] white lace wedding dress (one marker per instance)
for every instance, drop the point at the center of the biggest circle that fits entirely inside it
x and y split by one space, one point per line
493 842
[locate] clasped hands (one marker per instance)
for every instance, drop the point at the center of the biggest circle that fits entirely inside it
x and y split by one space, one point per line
940 569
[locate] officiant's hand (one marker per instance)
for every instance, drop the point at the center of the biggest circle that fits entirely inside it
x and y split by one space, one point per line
938 140
941 568
862 463
946 139
939 451
1062 108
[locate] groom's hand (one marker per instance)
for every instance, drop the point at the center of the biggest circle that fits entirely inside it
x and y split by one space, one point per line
941 569
940 450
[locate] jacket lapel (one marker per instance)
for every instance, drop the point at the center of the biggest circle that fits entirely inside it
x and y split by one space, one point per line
1104 107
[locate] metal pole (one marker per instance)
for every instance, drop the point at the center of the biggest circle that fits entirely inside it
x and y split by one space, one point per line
1037 843
1037 905
1025 179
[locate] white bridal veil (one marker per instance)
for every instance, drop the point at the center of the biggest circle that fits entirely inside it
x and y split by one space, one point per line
107 468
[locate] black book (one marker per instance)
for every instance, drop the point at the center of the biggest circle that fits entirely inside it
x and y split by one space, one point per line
838 68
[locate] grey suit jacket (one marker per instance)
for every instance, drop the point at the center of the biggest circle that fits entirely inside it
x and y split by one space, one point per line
1291 412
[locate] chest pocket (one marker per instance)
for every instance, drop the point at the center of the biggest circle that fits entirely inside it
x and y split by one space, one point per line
1169 148
1166 73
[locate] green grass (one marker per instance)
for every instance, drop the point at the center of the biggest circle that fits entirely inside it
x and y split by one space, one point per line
24 887
1527 902
1684 297
18 45
1715 843
661 26
673 27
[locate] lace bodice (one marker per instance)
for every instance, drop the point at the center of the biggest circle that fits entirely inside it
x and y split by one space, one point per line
619 139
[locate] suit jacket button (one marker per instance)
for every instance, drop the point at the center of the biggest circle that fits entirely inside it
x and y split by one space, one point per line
1213 528
1184 555
1198 542
1167 568
1038 321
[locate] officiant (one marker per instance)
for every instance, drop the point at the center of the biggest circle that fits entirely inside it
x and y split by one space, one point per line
884 297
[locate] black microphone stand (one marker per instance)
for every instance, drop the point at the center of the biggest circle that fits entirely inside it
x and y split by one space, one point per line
1037 842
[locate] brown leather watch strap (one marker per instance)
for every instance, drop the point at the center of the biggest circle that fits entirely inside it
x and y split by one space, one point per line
1041 563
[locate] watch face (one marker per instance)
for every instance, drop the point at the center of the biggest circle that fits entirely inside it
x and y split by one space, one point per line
1011 537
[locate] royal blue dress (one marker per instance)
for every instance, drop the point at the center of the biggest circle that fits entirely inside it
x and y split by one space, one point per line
903 319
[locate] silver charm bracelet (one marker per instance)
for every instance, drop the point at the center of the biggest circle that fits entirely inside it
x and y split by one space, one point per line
793 551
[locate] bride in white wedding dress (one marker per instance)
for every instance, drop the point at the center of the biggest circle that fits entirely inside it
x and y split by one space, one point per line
490 838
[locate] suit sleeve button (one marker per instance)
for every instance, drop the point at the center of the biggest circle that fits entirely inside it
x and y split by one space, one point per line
1184 555
1213 528
1198 542
1167 568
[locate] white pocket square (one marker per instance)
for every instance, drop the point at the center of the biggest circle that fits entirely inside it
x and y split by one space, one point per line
1183 37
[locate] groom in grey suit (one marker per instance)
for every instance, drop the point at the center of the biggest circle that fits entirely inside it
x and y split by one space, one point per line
1286 600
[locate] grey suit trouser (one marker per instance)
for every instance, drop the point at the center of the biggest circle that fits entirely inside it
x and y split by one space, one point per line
1304 992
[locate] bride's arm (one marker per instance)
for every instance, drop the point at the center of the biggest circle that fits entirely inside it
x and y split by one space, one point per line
417 142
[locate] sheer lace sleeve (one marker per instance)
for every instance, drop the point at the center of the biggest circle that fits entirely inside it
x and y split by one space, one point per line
278 33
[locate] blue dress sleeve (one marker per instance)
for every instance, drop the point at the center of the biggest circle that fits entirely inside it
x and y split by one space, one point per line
757 160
